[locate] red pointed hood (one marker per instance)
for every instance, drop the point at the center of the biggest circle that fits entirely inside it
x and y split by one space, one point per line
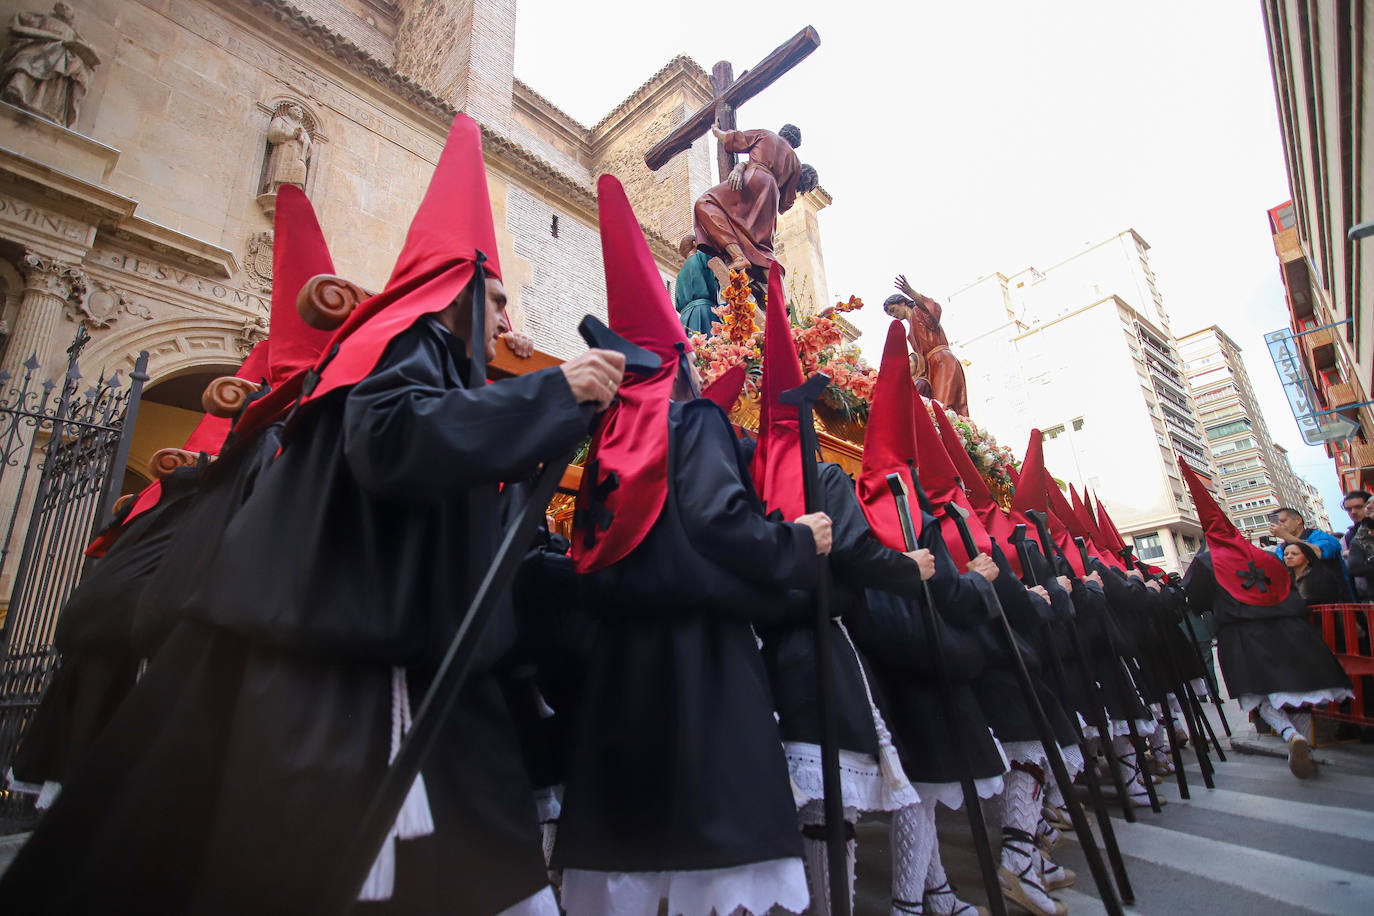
1033 492
940 479
299 252
1014 474
724 392
889 442
995 522
1097 541
452 226
776 468
632 440
1109 530
1059 506
1071 513
1249 575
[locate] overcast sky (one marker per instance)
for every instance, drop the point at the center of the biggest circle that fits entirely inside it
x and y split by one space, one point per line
960 139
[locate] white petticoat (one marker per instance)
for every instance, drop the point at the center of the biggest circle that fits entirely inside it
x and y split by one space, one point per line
544 903
1249 701
1033 752
951 794
1118 726
755 888
863 784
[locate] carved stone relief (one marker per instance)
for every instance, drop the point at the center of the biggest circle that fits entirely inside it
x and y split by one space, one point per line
257 261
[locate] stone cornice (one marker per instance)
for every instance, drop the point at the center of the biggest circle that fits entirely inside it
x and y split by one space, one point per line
682 65
552 111
499 149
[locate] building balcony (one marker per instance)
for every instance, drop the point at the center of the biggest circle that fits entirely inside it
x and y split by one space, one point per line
1171 385
1341 394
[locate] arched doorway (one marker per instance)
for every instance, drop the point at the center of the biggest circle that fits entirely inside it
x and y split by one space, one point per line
168 413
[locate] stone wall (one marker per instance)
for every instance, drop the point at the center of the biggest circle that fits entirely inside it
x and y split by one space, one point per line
462 51
369 24
663 199
566 279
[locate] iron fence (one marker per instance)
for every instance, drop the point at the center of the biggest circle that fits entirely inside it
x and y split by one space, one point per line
59 444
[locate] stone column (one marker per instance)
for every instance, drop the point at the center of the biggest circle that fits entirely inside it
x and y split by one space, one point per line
49 284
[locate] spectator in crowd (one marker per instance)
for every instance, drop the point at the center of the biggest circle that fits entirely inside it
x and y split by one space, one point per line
1314 581
1290 528
1359 557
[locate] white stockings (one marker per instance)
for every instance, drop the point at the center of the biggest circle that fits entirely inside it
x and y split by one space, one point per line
812 817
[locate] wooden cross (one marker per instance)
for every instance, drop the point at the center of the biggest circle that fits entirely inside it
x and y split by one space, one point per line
730 94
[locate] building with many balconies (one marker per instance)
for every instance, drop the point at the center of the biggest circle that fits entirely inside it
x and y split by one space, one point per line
1319 54
1082 350
1256 475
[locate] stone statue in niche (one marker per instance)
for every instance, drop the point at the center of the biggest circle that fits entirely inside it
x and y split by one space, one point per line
288 148
47 65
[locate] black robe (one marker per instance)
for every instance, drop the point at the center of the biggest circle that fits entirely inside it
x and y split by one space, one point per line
890 629
678 763
98 659
1005 704
225 486
1263 650
235 775
858 560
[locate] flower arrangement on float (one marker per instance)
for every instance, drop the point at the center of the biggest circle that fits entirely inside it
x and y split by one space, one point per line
736 340
990 458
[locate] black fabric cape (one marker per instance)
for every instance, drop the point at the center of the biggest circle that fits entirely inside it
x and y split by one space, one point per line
191 556
235 775
999 688
678 763
98 663
1263 650
549 670
890 629
857 559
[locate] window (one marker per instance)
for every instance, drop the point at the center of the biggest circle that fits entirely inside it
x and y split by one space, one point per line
1053 433
1078 424
1229 429
1147 547
553 226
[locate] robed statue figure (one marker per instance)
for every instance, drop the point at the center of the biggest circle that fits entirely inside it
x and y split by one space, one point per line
47 65
942 368
697 292
736 218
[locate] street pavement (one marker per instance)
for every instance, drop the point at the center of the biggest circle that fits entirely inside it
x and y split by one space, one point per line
1262 843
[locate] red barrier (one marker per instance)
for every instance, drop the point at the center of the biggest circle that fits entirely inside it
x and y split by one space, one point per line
1341 633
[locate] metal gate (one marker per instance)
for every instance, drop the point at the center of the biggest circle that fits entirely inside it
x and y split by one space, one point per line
59 444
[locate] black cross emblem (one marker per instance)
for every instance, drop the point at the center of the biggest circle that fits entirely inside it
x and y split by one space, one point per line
596 515
1254 577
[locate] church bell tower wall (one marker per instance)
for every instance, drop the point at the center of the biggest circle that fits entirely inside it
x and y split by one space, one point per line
463 51
662 200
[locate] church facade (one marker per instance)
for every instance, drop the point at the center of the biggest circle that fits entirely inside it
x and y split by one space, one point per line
146 216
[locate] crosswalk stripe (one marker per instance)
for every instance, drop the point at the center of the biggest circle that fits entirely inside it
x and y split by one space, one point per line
1304 884
1358 825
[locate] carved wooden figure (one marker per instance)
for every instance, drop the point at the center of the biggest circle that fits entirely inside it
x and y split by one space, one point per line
326 300
167 460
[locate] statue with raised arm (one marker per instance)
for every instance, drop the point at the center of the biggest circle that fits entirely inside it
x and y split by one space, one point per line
943 370
736 219
47 65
